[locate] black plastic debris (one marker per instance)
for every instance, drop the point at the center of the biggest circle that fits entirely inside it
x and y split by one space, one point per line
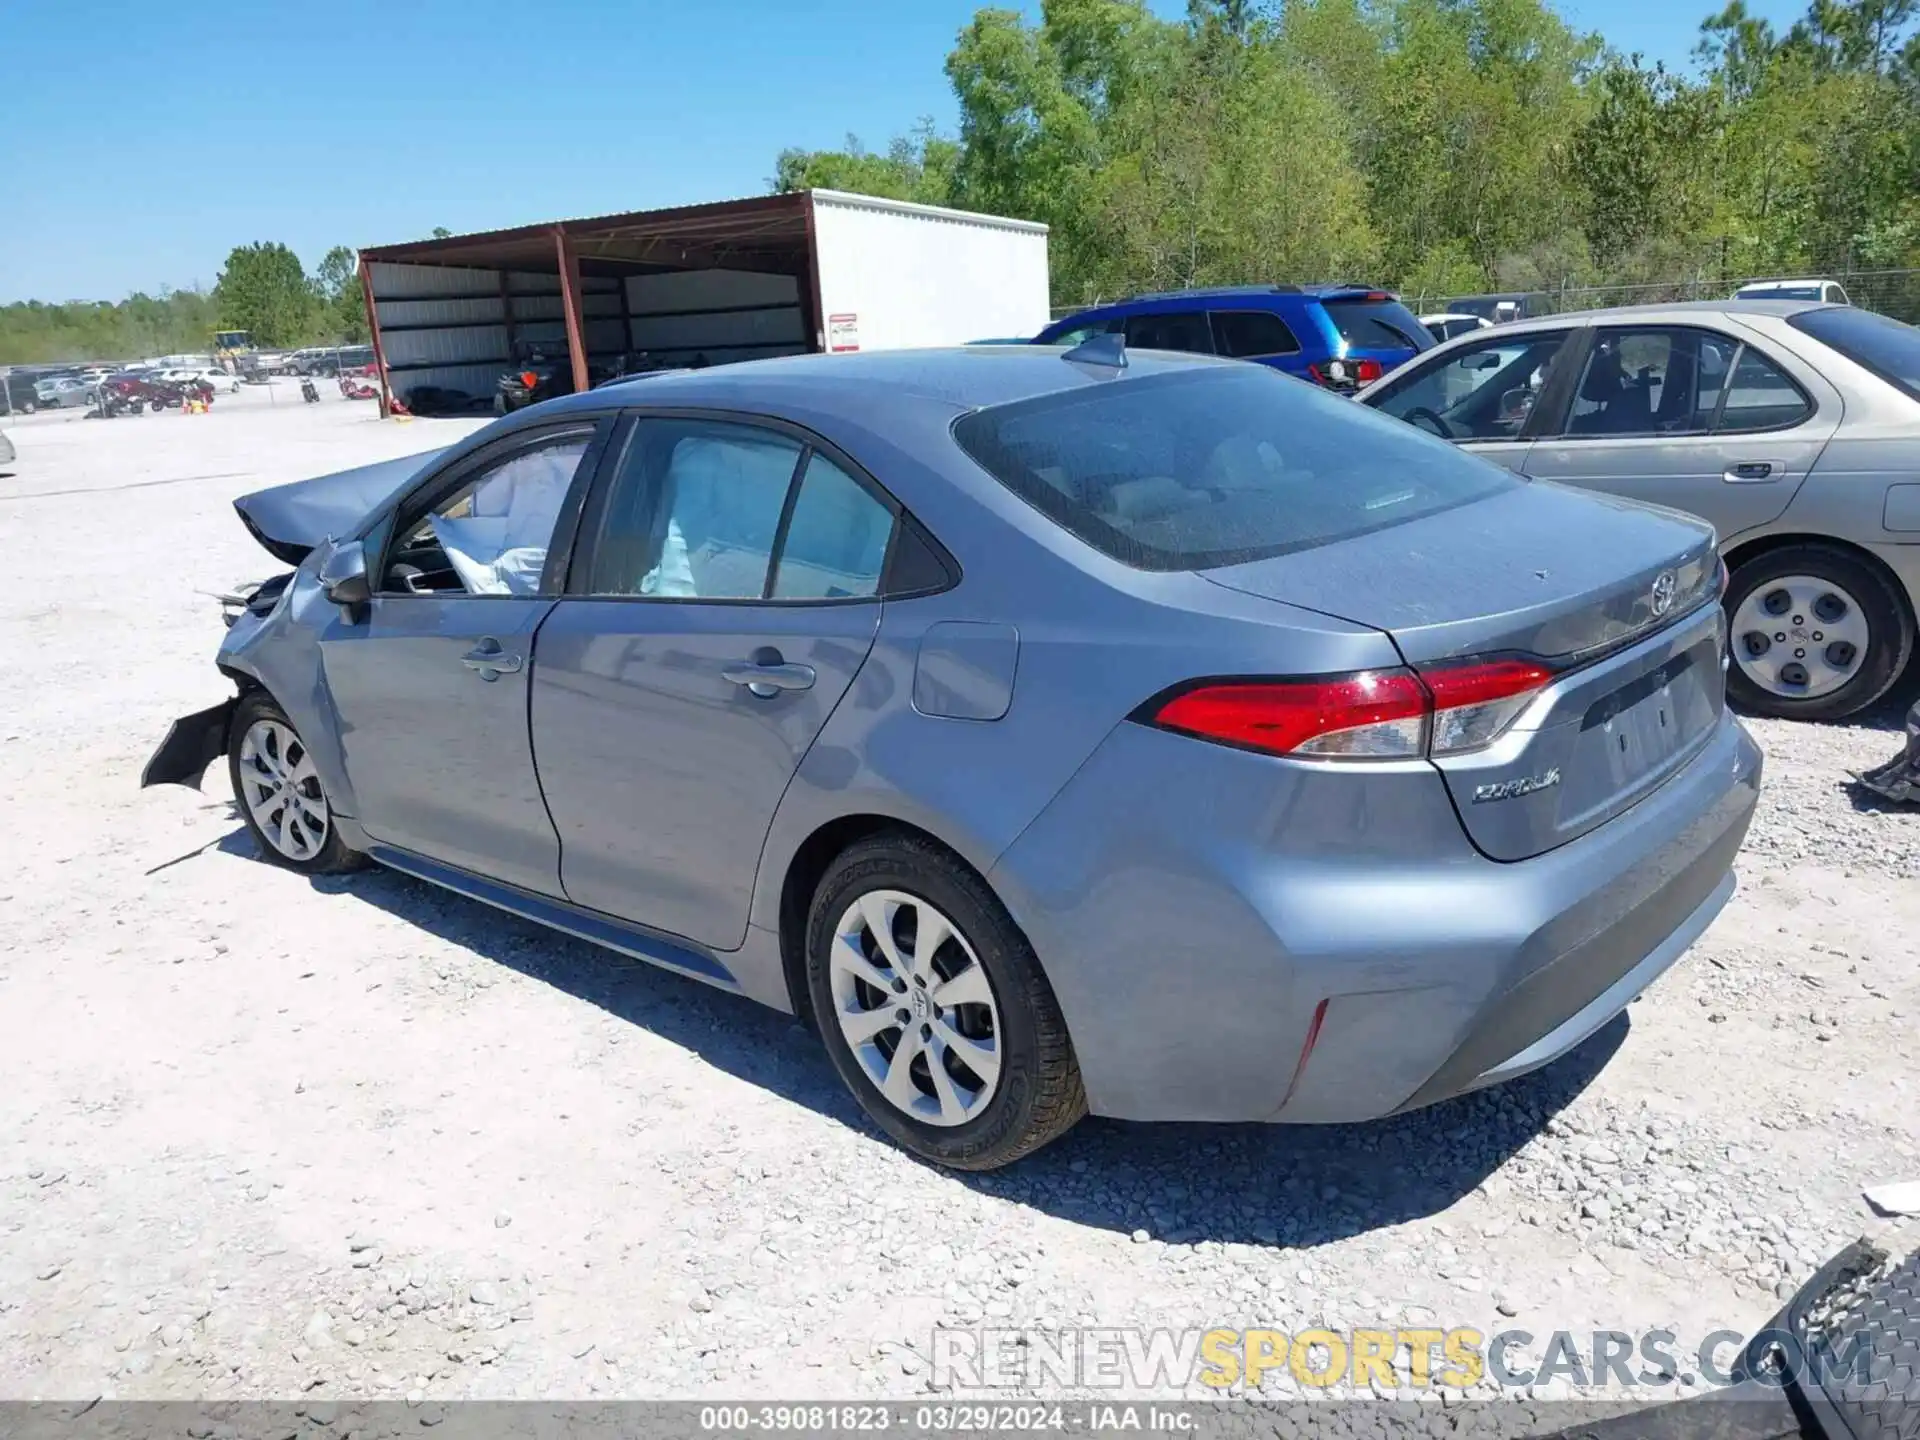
1899 779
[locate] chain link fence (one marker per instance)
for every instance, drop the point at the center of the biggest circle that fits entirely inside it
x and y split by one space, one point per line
1891 292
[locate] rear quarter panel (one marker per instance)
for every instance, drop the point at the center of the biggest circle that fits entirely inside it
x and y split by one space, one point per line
1094 640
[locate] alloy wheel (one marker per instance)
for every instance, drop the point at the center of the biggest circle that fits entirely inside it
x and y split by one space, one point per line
281 789
916 1007
1799 637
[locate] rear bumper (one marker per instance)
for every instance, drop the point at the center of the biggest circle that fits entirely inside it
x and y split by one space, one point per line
1194 932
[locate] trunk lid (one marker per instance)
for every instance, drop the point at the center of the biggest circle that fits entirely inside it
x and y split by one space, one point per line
1617 595
289 520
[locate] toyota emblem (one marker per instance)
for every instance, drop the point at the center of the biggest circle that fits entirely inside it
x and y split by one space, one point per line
1665 586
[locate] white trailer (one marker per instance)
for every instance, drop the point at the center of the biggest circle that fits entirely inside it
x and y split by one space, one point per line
810 271
898 276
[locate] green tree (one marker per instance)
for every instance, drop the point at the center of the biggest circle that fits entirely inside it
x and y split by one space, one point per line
342 306
1639 159
263 290
173 322
918 167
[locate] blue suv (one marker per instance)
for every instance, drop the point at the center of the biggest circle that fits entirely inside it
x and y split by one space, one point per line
1339 336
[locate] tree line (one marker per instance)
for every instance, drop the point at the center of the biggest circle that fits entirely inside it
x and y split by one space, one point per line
262 289
1438 146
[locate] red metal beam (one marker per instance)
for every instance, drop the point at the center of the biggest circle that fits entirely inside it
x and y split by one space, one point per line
373 331
570 301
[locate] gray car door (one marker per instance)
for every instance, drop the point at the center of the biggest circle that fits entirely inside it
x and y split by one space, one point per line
430 680
726 595
1691 417
1482 394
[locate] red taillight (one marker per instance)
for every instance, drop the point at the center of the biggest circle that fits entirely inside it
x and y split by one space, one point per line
1474 703
1377 714
529 379
1340 374
1374 715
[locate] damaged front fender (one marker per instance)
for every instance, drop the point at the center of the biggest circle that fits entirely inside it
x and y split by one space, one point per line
193 743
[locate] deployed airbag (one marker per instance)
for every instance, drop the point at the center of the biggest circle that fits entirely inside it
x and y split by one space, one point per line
498 546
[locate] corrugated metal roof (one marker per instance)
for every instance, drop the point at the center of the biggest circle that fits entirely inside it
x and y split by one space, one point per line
707 234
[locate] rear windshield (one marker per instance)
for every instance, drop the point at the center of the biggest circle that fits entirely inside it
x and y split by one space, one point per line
1781 292
1377 324
1217 466
1888 348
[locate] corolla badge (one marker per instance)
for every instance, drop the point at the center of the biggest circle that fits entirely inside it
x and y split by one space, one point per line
1666 586
1513 789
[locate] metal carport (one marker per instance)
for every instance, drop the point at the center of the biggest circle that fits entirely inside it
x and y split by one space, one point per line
726 281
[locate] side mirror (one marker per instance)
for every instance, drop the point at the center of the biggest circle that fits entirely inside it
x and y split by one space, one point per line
343 575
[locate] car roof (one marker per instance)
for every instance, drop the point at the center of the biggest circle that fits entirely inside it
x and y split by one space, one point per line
1677 312
1262 295
847 386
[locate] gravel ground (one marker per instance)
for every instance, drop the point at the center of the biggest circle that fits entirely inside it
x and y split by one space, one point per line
261 1137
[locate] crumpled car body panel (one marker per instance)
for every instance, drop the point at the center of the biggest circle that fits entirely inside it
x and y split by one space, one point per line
289 520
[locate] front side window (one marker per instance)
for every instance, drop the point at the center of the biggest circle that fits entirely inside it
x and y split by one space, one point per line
491 535
1217 466
694 511
1652 381
1184 331
1479 392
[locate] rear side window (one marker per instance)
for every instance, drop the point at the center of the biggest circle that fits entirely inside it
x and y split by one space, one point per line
1184 331
836 541
1245 334
1377 325
1888 348
694 512
1658 380
1218 466
1760 397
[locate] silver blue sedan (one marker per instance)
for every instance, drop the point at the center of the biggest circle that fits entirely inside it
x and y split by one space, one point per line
1056 731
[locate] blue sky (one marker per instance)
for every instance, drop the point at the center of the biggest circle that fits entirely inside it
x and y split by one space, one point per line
148 139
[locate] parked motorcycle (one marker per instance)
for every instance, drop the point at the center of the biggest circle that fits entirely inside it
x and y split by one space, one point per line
131 394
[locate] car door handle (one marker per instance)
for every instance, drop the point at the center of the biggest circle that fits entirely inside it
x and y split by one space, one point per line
766 681
490 660
1748 472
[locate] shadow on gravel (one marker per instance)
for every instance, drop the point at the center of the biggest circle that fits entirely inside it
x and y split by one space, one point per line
1249 1184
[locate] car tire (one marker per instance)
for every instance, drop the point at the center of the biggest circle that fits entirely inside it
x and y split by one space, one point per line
279 793
27 407
999 1011
1864 611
